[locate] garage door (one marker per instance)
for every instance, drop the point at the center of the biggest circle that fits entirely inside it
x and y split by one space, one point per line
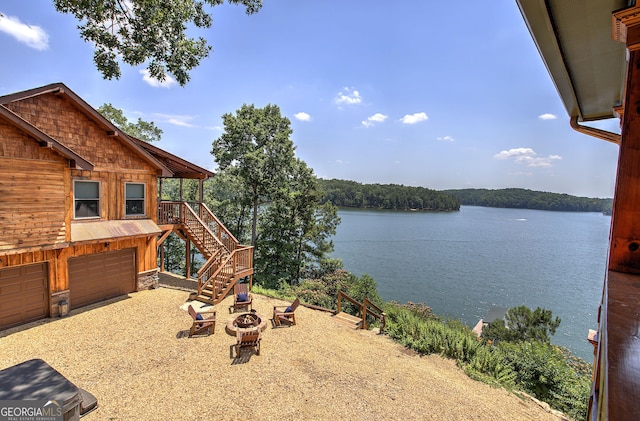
101 276
23 294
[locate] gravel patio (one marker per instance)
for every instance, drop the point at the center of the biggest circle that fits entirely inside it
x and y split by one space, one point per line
134 355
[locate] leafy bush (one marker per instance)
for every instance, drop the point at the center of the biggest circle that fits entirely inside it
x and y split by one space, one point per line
545 371
542 370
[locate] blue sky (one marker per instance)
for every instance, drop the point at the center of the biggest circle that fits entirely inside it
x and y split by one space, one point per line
435 94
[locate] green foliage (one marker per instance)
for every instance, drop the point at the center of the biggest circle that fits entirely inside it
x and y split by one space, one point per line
230 202
151 32
522 324
174 260
141 129
386 196
536 367
528 199
542 370
261 177
362 288
295 231
255 147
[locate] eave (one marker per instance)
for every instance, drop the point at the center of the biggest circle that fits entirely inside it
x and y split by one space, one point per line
179 167
575 41
75 160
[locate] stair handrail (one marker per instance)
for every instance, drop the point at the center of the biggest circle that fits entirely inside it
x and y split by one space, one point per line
203 279
173 212
364 309
376 312
211 279
189 210
206 215
351 300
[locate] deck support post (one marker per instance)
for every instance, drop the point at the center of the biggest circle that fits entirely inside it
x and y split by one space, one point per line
187 252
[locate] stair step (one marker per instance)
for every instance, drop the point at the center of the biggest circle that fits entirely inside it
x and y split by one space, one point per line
204 299
348 320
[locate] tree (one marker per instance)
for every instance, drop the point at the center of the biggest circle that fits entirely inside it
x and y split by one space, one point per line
228 200
522 324
143 130
295 231
150 31
255 147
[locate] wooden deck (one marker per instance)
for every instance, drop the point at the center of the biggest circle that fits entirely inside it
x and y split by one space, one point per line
620 342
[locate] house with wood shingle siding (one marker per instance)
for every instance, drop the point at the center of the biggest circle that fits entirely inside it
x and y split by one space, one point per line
79 207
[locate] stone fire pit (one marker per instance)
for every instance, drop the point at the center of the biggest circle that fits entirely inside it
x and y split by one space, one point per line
246 321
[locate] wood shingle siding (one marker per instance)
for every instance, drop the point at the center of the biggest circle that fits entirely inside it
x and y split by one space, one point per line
61 119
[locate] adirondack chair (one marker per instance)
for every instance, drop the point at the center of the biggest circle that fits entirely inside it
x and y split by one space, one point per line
242 298
286 315
248 339
202 321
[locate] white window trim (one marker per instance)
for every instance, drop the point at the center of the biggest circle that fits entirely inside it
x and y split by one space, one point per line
144 199
99 199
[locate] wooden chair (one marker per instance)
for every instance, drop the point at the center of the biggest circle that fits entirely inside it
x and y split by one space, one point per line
242 298
287 315
248 339
201 322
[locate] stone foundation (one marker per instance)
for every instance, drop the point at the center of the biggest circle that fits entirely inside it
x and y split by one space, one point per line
56 298
148 280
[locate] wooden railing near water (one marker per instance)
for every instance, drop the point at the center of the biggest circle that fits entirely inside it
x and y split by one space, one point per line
366 308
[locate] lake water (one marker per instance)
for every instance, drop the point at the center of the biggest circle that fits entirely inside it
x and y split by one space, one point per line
462 263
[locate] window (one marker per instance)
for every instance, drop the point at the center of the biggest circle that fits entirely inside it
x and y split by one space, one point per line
86 196
134 199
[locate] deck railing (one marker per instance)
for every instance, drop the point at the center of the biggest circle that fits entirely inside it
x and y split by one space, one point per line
366 308
174 213
221 268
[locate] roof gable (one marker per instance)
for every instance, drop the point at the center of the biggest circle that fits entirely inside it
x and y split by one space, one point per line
44 140
59 89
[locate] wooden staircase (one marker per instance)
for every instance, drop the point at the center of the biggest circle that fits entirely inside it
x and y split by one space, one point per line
364 309
227 260
348 320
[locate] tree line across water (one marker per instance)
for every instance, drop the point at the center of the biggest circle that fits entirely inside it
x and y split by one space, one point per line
345 193
530 199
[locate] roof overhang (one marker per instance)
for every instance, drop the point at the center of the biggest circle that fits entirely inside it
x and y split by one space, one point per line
87 231
575 41
179 167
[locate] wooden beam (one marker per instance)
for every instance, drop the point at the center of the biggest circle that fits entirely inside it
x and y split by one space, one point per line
187 252
624 251
164 237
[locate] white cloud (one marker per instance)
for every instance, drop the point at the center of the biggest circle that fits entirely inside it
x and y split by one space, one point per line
166 83
177 120
348 96
414 118
528 157
302 116
547 116
376 118
33 36
446 138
